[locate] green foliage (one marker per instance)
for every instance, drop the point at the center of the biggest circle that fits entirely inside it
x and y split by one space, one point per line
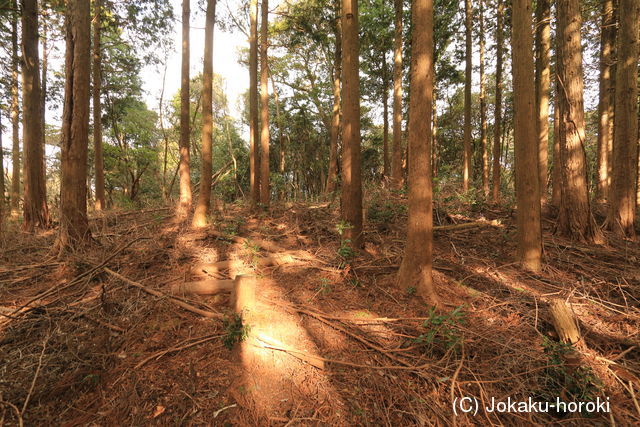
325 286
235 331
384 211
443 332
570 383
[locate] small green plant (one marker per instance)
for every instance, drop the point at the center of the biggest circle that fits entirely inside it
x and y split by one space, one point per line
342 226
355 282
411 291
235 331
443 330
325 286
571 383
345 250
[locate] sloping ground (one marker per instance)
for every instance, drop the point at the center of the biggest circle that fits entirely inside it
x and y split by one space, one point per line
331 339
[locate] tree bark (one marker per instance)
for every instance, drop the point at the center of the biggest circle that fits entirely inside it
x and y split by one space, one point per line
15 115
254 147
575 220
483 109
35 211
396 155
606 102
265 190
497 132
97 107
332 176
416 268
351 172
203 205
185 129
2 204
556 195
542 82
466 161
385 118
525 141
622 206
74 226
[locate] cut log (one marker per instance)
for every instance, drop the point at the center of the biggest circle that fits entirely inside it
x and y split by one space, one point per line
563 321
464 225
215 267
243 296
202 287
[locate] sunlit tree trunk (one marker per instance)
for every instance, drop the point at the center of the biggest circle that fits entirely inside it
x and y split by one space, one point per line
396 150
385 118
483 109
2 204
43 95
605 106
332 176
254 147
622 205
497 131
97 107
415 270
35 211
184 203
15 115
556 177
265 190
543 79
74 225
525 140
575 220
466 161
351 172
203 204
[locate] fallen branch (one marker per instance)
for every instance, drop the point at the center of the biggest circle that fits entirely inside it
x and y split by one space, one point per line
188 307
464 225
202 287
159 354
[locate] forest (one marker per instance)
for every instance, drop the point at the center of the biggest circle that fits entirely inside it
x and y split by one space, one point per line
319 212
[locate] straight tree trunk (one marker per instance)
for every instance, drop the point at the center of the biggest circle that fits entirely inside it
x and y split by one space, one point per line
74 225
466 161
351 167
35 211
396 153
385 118
265 190
332 176
416 268
526 143
43 96
254 147
606 103
185 129
622 206
556 194
2 204
203 204
542 83
497 132
434 128
15 115
483 110
97 107
575 220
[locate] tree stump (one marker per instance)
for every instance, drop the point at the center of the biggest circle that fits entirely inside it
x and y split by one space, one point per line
563 321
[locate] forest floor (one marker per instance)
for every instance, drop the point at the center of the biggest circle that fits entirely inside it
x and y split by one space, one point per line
331 340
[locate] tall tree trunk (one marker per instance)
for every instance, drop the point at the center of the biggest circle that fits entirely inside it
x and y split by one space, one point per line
466 161
497 132
575 220
203 204
605 106
526 143
2 204
43 96
332 176
351 168
97 107
254 147
74 225
622 206
434 128
35 211
415 270
185 128
396 153
556 194
483 110
543 80
265 190
15 115
385 117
